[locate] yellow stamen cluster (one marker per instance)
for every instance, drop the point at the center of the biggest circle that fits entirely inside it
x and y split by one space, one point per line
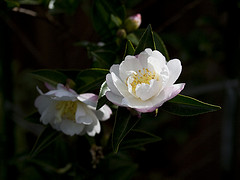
144 76
67 109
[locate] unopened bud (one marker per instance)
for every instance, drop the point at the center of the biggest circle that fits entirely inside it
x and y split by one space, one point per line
132 23
121 33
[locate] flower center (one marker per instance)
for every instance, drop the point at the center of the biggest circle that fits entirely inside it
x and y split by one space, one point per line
67 109
143 76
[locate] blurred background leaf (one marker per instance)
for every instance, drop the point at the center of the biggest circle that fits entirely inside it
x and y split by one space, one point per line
49 76
90 79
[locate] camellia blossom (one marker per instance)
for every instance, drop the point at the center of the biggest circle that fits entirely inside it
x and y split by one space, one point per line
144 82
71 113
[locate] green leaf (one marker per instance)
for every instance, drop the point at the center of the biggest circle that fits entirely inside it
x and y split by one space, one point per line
146 41
117 21
124 122
160 46
63 6
47 137
103 58
137 138
188 106
129 50
119 167
101 17
101 97
11 4
90 79
30 2
33 117
44 165
50 76
133 38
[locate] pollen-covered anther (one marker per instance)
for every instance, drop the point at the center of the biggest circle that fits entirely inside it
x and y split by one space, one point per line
143 76
67 109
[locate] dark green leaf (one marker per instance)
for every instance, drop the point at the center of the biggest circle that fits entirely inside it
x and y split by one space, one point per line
101 17
11 4
129 50
116 20
47 137
30 2
137 138
33 118
188 106
124 122
102 98
133 38
63 6
146 41
160 46
50 76
103 58
120 167
48 167
90 79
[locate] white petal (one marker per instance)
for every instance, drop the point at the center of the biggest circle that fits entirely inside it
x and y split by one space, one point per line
93 128
86 120
143 56
89 117
148 51
133 102
159 56
39 90
146 109
128 66
156 64
80 111
146 91
115 99
175 69
129 85
89 99
115 68
42 102
167 94
122 88
61 93
111 86
103 113
64 88
47 115
70 128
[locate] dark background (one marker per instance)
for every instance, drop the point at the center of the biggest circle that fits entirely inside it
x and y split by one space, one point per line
203 34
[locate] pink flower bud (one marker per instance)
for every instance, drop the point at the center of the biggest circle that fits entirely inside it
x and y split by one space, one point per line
132 23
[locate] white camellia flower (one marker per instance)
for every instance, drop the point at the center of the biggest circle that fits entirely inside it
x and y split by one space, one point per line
144 82
71 113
